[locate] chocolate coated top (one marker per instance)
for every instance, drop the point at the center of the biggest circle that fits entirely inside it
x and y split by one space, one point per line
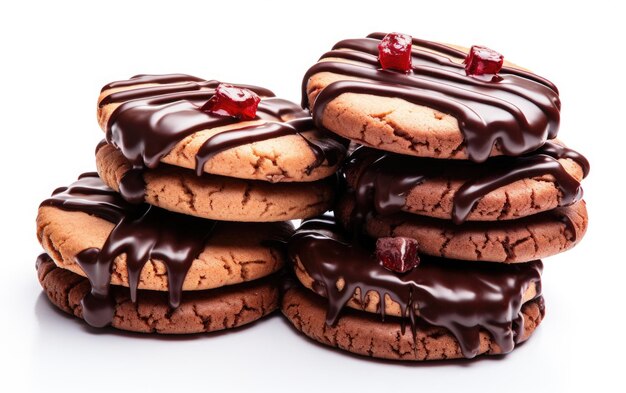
384 179
516 110
151 120
463 298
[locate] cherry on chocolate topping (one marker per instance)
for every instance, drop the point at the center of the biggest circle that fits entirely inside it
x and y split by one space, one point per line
398 254
233 101
394 52
481 60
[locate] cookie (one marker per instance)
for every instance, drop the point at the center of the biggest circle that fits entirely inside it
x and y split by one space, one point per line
89 229
160 118
365 334
534 237
435 109
463 299
217 197
228 252
503 188
198 312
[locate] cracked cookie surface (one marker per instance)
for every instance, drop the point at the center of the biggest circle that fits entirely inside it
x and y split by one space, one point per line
364 334
234 253
199 311
511 241
434 196
218 197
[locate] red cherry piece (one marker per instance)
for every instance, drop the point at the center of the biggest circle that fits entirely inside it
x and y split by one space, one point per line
482 60
394 52
233 101
398 254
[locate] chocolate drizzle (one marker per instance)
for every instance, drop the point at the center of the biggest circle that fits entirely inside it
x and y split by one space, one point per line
91 196
331 151
385 179
515 110
463 298
142 233
151 120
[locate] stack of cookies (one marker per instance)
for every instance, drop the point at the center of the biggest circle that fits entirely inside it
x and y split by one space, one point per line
181 229
455 187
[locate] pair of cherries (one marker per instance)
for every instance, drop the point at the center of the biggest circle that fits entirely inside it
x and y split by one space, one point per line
394 53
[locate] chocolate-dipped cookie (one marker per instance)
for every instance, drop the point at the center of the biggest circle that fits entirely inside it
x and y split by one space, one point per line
454 308
239 131
430 104
90 230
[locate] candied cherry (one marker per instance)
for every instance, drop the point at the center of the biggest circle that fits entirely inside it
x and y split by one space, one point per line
394 52
233 101
398 254
481 60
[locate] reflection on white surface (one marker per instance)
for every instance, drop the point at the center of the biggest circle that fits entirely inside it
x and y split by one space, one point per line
221 358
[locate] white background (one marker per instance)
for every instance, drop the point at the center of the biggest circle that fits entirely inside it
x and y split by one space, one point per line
55 57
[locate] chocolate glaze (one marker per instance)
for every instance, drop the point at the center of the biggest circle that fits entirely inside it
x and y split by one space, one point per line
515 110
91 196
142 233
463 298
151 120
145 78
42 258
385 179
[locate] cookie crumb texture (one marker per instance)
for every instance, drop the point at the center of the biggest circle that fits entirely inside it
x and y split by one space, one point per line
217 197
434 196
512 241
199 311
366 335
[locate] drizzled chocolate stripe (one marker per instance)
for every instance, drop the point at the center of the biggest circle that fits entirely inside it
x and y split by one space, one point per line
463 298
142 233
516 110
152 120
330 151
386 178
90 195
145 78
460 55
228 139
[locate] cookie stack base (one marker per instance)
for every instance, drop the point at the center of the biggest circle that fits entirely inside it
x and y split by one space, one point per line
199 312
364 334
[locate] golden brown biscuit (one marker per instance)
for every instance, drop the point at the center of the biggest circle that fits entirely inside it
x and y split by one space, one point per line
219 197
